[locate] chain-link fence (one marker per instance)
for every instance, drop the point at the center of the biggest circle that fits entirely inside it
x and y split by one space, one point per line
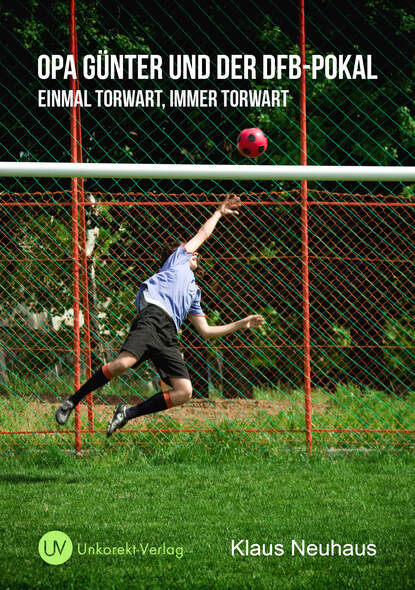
360 236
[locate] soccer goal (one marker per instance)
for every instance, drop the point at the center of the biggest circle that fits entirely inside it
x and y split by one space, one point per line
324 253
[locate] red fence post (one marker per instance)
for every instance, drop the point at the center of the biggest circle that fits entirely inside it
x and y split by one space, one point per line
75 233
304 240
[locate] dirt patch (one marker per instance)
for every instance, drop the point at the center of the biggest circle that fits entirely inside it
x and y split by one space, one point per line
196 412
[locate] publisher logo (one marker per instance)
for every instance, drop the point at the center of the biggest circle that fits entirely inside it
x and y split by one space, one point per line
55 547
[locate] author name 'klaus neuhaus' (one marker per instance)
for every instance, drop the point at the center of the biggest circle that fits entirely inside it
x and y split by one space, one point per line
243 547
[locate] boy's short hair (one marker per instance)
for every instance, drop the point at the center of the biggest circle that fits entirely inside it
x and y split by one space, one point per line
167 250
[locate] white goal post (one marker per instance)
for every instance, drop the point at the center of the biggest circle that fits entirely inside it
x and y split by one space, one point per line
207 171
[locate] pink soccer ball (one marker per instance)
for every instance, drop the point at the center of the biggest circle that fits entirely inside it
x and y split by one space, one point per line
252 142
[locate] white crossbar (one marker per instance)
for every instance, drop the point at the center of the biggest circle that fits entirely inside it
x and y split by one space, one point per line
207 171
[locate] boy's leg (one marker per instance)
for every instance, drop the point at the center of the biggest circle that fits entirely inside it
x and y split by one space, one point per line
180 393
115 368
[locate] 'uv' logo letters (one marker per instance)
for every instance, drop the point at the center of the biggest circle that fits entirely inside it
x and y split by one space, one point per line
55 547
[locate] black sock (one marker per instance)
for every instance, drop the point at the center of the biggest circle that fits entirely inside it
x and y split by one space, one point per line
159 402
98 379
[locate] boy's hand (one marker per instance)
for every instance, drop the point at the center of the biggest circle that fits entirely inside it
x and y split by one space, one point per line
251 322
230 205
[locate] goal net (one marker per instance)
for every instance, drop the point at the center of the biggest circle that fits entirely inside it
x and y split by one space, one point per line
329 265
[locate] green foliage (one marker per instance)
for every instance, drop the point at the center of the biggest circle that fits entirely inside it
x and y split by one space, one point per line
349 122
341 115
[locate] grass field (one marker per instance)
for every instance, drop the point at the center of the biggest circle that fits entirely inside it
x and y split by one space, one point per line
196 503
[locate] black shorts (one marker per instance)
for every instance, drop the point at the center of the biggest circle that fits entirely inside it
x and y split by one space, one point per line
153 337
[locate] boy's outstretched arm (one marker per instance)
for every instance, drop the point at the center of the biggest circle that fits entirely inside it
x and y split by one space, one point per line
206 331
229 206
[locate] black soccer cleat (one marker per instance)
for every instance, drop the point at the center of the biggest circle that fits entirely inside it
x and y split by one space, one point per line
118 420
63 412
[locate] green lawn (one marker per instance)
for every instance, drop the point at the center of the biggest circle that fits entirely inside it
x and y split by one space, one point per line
200 506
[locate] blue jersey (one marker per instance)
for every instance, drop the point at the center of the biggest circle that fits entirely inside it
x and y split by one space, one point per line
173 288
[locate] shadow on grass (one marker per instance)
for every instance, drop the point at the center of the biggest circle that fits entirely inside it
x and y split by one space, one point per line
25 478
